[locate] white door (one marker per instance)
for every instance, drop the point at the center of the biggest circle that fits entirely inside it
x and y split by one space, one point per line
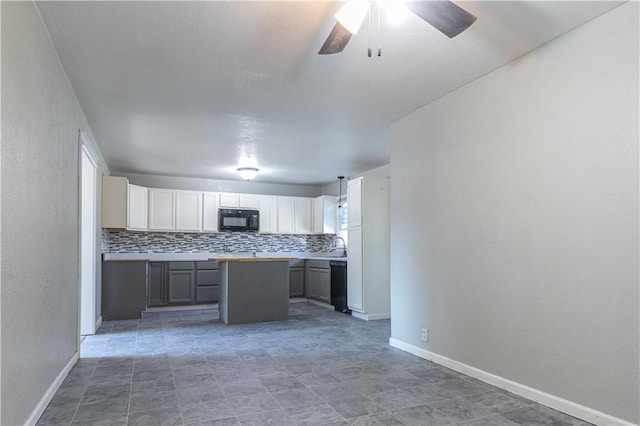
88 257
355 290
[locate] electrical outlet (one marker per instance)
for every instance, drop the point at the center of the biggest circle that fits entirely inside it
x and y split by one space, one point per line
425 334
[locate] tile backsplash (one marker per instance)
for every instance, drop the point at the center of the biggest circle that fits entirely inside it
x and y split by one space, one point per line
175 242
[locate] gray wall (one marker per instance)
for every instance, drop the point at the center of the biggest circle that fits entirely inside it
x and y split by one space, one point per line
39 219
197 184
524 184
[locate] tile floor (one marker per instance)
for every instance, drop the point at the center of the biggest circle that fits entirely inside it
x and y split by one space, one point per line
319 368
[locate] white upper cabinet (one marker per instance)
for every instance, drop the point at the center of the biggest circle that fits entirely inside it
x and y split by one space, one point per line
354 197
286 215
161 210
124 206
188 211
324 214
249 201
302 215
137 208
210 206
114 202
268 214
127 206
229 199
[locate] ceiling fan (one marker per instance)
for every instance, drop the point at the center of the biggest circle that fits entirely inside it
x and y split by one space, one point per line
447 17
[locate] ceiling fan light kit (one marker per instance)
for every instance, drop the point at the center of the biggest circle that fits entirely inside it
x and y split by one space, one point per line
352 14
445 16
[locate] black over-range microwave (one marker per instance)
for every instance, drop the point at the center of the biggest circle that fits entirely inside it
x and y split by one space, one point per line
238 220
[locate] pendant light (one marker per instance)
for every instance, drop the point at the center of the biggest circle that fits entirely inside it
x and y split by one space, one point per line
340 196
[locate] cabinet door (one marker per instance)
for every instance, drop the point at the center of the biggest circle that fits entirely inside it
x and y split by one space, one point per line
210 205
228 199
310 279
123 290
296 282
248 201
181 286
156 290
188 211
161 209
285 215
137 207
354 200
324 215
302 221
355 294
114 202
323 283
268 220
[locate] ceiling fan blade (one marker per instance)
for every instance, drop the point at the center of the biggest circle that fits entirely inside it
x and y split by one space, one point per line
337 40
448 18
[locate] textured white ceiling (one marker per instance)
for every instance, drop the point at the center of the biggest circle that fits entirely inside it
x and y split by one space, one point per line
189 88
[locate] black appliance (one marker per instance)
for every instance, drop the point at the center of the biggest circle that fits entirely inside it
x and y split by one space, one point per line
339 285
238 220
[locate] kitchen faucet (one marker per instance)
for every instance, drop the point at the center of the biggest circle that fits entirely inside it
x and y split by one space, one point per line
334 245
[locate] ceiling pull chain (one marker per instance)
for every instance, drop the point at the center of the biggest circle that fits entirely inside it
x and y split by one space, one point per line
369 16
379 37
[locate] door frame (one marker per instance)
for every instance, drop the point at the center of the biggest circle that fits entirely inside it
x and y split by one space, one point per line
87 289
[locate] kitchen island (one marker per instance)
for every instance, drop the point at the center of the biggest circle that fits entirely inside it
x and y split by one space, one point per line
253 289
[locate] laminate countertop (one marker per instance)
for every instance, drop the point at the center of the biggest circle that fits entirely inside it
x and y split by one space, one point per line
253 259
195 257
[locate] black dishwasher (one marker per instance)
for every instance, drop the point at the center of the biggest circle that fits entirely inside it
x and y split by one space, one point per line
339 285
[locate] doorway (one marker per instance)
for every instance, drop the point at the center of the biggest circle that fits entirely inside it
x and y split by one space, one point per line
88 258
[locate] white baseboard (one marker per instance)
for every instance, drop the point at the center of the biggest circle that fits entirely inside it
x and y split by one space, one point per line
580 411
48 395
370 317
98 324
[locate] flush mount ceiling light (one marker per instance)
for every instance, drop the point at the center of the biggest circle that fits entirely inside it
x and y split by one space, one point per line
247 173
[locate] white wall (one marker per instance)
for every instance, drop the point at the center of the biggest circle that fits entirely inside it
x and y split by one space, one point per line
524 184
39 200
197 184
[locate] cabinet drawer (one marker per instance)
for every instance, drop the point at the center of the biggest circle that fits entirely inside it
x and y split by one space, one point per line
208 277
207 265
296 264
207 293
180 266
322 264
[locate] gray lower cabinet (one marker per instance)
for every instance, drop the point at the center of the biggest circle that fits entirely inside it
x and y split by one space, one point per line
207 282
181 286
157 286
296 278
182 283
318 280
123 290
